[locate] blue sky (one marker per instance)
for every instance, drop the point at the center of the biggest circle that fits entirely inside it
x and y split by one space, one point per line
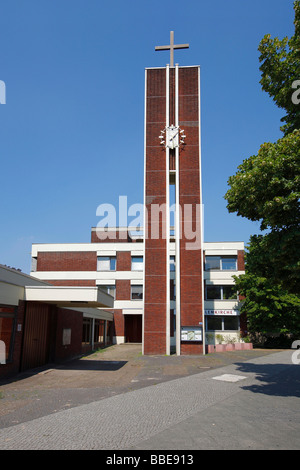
72 130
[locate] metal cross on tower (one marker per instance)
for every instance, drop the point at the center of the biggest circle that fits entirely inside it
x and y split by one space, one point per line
171 47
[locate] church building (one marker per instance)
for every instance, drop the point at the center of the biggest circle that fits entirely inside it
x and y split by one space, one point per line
171 291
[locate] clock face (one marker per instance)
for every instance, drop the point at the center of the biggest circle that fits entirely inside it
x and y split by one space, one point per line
171 137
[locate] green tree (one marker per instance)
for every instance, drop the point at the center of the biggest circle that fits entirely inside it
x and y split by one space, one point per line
266 188
280 67
275 256
271 283
270 309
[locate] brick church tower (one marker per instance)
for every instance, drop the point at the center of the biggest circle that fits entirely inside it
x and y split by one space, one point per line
173 170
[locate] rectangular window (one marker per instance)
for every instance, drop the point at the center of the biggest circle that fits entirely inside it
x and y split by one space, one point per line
106 263
137 292
172 263
228 264
87 331
212 263
111 290
220 263
136 263
216 292
229 292
231 323
222 323
213 292
7 325
214 323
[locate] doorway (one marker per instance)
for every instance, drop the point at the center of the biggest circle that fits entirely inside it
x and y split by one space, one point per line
133 328
36 336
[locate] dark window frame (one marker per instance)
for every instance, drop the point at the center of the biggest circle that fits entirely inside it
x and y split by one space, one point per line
221 289
223 319
220 259
136 295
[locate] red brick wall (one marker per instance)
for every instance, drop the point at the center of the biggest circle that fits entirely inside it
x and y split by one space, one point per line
73 282
189 186
123 289
68 319
67 261
241 260
155 250
119 323
60 319
123 261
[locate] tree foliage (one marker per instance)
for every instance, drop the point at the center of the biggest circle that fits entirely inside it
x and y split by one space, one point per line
280 67
269 308
275 256
266 188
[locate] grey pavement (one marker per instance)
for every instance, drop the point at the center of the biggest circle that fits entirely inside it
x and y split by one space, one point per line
254 404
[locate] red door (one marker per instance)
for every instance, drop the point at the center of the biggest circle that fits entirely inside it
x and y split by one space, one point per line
35 351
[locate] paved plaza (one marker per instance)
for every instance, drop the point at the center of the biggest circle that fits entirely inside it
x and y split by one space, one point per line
118 399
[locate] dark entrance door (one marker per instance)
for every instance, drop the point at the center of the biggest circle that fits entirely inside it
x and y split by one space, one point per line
133 328
35 351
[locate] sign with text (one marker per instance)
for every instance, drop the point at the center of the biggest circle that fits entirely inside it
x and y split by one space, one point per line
191 333
224 311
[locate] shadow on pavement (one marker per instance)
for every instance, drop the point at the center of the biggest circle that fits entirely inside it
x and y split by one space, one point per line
95 365
277 379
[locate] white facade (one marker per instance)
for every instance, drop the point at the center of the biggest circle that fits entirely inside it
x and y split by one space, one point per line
221 313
